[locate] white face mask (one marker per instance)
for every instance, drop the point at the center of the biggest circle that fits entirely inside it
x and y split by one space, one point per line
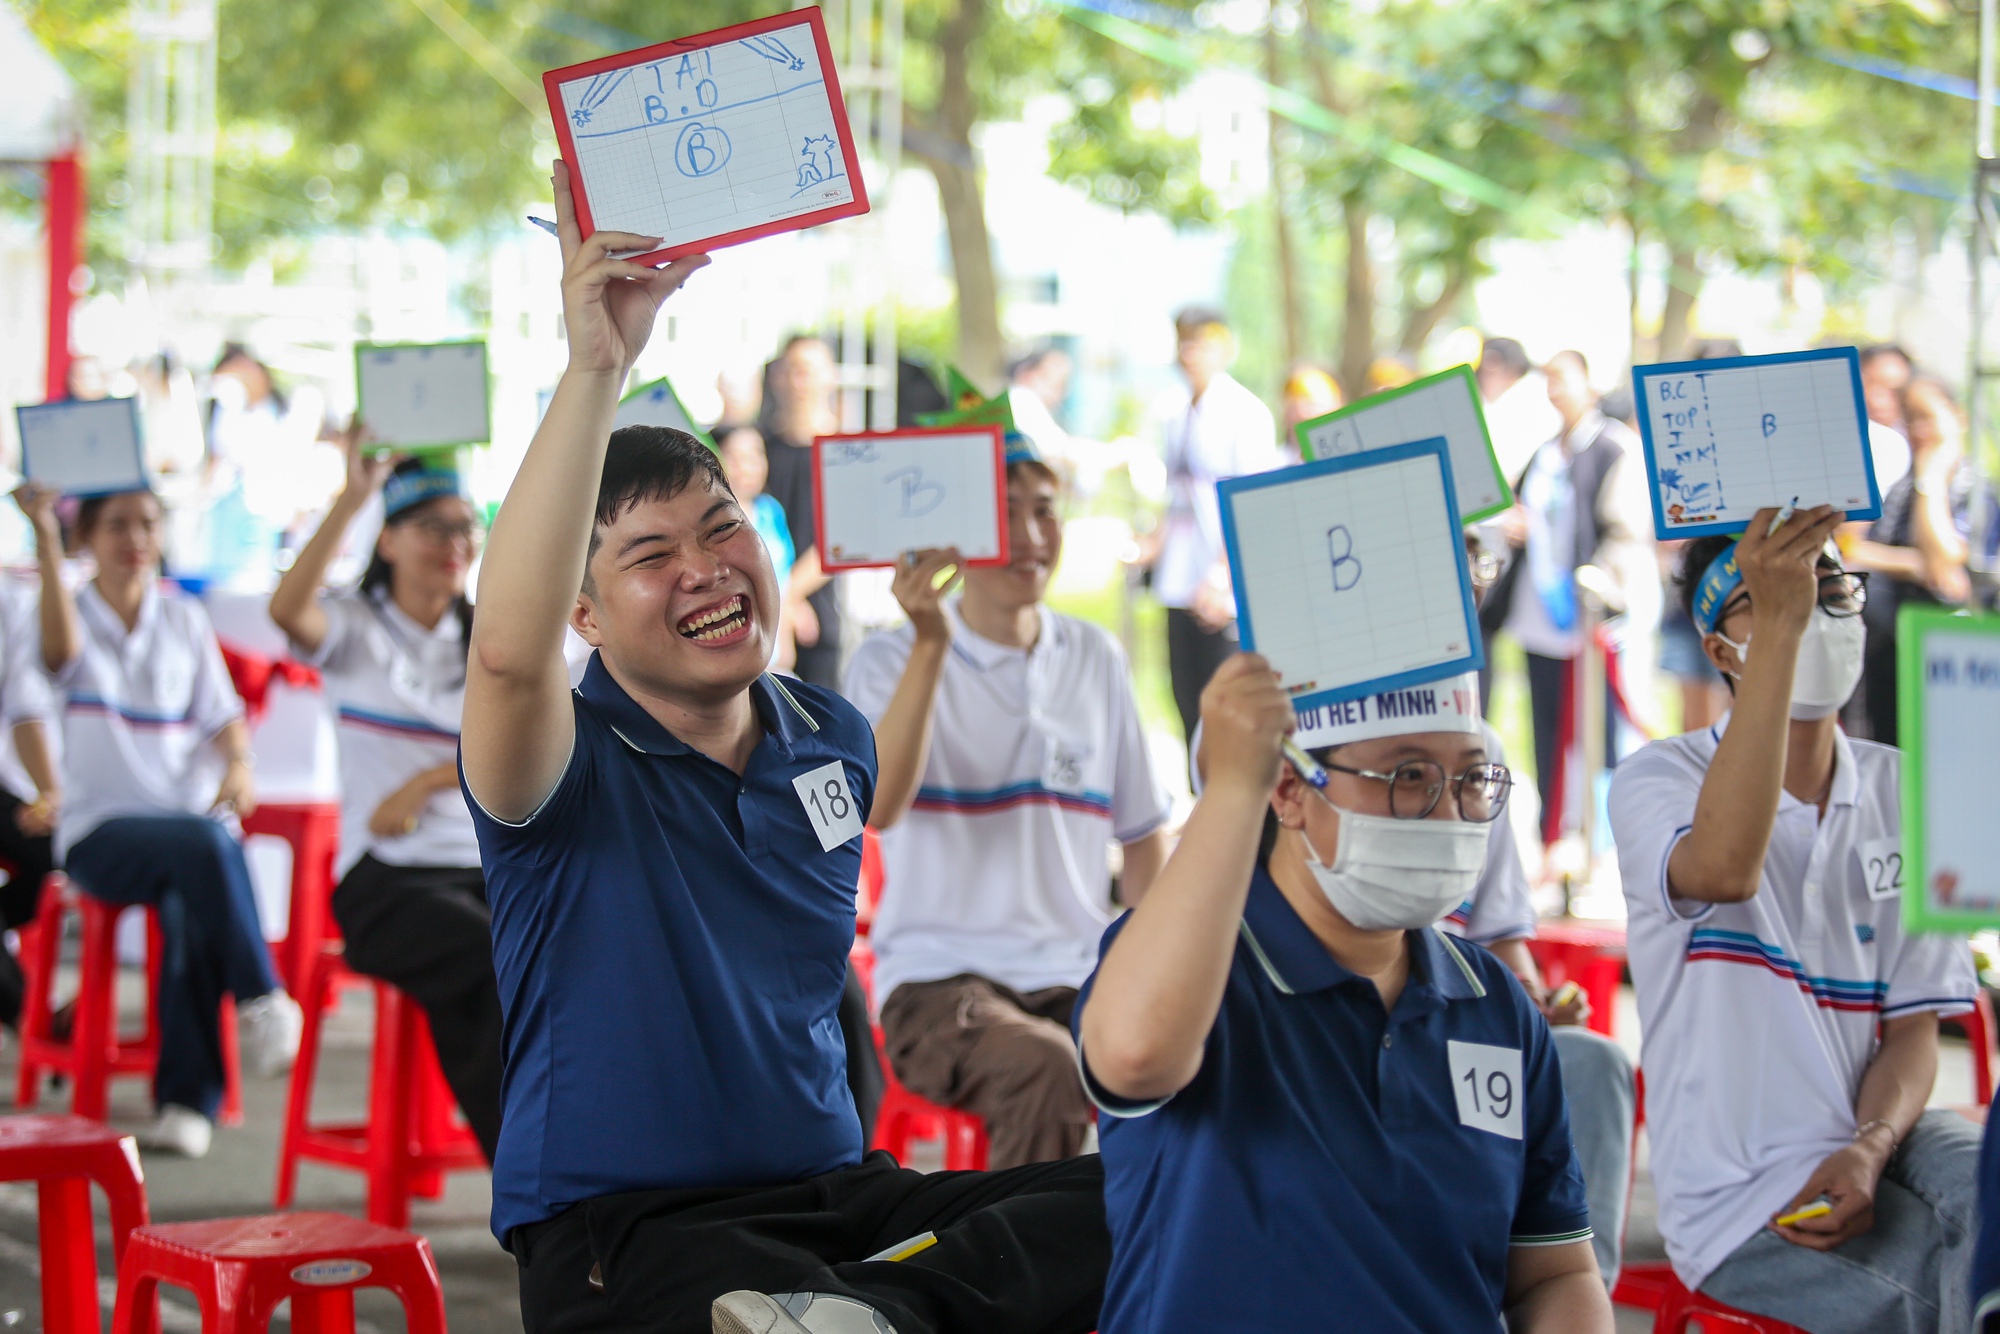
1829 666
1398 875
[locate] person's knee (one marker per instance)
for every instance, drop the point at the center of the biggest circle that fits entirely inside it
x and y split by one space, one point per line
1585 1055
1038 1063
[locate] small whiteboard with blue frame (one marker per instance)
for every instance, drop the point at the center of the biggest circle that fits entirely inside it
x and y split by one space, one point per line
1350 572
1728 437
83 447
1947 864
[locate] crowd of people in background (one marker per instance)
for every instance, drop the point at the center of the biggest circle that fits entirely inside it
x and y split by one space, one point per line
1049 954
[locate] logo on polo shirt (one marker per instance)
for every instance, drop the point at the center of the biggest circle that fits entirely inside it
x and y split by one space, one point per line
1864 933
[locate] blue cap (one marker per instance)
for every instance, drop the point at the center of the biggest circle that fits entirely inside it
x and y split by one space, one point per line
1020 449
1718 581
412 487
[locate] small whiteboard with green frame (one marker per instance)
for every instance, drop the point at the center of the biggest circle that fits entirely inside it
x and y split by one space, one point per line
1445 404
1948 715
423 397
657 404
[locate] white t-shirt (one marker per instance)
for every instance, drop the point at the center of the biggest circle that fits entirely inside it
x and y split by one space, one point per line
1037 761
1227 432
139 709
24 689
399 693
1759 1018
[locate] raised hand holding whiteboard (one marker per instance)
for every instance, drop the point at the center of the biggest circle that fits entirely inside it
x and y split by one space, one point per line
879 496
1350 572
1947 866
83 447
419 396
710 140
1445 404
1728 437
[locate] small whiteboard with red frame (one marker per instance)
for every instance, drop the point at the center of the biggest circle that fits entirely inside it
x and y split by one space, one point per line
878 496
712 140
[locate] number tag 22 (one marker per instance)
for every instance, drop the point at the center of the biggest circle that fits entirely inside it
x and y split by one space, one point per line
1882 866
1486 1080
829 804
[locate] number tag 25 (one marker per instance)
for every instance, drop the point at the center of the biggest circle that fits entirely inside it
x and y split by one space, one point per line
1487 1083
829 804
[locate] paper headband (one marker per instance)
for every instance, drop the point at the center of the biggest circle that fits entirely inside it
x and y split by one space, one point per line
1450 705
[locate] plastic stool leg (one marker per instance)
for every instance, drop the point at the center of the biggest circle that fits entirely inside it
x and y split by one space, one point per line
298 1100
389 1106
69 1257
325 1311
232 1066
96 1030
138 1309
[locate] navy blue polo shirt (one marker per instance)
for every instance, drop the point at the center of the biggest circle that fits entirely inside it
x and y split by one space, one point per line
671 941
1319 1169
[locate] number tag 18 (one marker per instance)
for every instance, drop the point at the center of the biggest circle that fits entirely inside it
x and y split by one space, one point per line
835 814
1487 1082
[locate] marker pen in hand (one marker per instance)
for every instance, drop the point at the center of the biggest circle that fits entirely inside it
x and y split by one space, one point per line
1779 520
545 225
1309 768
1818 1208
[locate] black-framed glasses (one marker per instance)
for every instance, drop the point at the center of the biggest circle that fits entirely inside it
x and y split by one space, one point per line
442 531
1416 785
1842 593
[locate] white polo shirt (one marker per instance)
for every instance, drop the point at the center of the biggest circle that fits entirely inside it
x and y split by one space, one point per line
1227 432
139 709
1759 1018
1037 761
24 689
399 693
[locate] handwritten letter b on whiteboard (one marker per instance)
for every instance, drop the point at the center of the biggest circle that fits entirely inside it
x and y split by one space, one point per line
1728 437
880 496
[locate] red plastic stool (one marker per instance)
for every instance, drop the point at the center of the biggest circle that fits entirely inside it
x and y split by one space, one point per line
1978 1026
1684 1311
410 1139
94 1052
241 1268
904 1117
313 830
62 1155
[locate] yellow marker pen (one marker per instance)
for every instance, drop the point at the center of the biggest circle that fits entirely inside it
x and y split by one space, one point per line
1565 993
1819 1208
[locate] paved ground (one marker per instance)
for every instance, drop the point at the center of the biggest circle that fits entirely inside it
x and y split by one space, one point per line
238 1175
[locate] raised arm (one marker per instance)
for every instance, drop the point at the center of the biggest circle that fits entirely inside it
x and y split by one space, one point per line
903 737
62 633
295 606
1722 858
516 737
1160 985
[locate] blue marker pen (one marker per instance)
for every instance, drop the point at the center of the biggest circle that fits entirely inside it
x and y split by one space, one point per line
1309 768
545 225
1781 518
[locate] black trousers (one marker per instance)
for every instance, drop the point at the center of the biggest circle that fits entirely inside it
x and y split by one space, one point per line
1193 654
427 931
31 857
1023 1251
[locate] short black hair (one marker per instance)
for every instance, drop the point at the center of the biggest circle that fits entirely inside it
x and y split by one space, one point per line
1696 557
92 508
1191 320
649 463
1505 354
1877 350
1571 354
1711 349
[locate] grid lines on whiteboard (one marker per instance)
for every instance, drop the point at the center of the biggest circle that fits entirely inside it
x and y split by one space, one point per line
1441 409
1401 608
709 141
1728 442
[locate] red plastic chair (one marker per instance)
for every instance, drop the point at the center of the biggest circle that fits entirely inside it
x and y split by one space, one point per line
905 1118
313 830
1593 956
62 1155
1978 1026
410 1138
239 1269
94 1052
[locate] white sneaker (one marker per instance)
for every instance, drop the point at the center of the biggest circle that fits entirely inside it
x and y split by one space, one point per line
178 1129
267 1031
795 1313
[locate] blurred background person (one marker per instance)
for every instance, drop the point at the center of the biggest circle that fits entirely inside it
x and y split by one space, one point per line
1310 392
746 466
1389 372
799 386
1516 404
1218 429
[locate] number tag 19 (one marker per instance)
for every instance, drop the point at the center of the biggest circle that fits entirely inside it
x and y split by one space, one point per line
835 814
1487 1082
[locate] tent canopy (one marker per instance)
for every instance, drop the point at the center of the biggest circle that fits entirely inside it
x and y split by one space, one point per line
39 110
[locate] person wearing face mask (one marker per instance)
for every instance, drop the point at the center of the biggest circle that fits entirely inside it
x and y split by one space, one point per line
1011 755
1313 1100
1790 1022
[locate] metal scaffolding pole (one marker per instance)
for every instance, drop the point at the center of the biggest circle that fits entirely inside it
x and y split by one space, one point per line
170 126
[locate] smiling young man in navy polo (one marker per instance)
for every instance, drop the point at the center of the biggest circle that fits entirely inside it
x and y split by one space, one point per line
671 854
